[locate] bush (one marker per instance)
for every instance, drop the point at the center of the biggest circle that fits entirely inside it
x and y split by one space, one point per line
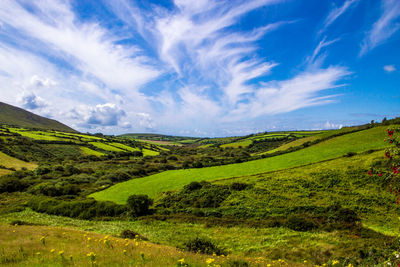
11 184
238 263
132 235
204 246
300 223
139 205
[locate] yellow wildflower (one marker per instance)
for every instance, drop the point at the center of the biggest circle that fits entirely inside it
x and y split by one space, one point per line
52 250
210 260
61 252
181 261
334 262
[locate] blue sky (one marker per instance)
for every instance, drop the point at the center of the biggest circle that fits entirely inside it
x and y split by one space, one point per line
202 67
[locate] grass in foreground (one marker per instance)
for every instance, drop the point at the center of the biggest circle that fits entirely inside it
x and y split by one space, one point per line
175 179
53 246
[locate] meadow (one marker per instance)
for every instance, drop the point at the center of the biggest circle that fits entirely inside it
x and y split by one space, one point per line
171 180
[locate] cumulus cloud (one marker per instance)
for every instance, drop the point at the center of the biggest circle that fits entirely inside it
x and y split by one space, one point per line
386 26
389 68
42 82
330 125
31 101
100 115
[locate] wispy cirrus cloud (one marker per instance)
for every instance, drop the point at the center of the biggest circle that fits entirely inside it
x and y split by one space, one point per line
336 12
386 26
187 64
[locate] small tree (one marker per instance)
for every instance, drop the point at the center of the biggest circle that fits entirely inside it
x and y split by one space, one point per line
139 205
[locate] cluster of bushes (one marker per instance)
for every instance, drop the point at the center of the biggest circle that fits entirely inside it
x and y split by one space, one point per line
82 209
199 195
204 246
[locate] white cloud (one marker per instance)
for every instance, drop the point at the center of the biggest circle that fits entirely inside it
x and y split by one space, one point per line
103 114
31 101
283 96
384 27
336 12
389 68
313 59
42 82
330 125
87 46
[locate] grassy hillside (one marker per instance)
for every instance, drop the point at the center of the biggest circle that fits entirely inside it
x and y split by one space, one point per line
170 180
15 116
10 162
276 195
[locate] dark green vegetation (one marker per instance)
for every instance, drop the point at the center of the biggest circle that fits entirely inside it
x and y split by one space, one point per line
291 196
21 118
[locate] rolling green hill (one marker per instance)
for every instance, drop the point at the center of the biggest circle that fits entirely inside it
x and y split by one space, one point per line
170 180
15 116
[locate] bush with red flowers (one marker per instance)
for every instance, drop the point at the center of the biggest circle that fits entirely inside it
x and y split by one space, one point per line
391 175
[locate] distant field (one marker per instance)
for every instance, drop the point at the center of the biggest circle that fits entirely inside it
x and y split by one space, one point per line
106 147
259 137
37 135
174 179
125 147
148 152
90 152
11 162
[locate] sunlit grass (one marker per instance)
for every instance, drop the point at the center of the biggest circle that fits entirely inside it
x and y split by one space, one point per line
89 152
17 164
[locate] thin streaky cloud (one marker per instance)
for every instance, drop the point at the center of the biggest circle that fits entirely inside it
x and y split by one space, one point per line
386 26
336 12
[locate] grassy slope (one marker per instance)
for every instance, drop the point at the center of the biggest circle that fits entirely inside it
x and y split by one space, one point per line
11 162
170 180
90 152
22 246
19 117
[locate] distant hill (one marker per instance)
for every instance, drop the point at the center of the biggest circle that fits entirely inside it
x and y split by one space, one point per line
15 116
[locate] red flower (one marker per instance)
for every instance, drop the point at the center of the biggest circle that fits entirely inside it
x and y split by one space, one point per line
387 154
380 174
370 173
397 201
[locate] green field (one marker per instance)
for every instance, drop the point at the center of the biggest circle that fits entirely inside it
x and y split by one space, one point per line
37 135
90 152
148 152
259 137
17 164
124 147
171 180
106 147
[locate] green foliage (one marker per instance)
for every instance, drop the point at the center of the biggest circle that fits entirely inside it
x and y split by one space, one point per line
196 195
203 245
11 184
139 205
83 209
126 233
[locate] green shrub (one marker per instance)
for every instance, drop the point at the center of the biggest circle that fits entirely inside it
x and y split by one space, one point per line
11 184
300 223
238 263
132 235
204 246
139 205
